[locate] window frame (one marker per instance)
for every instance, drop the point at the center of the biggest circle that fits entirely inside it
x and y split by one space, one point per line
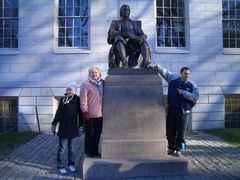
10 50
69 50
182 50
227 50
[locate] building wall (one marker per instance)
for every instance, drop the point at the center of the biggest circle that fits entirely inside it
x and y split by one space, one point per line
38 74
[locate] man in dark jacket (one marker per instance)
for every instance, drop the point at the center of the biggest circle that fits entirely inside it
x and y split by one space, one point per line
70 119
130 46
182 94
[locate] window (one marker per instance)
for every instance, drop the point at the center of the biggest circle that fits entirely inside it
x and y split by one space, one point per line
232 112
73 24
8 114
231 25
171 24
8 24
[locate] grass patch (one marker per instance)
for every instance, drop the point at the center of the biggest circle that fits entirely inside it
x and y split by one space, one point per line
12 140
231 136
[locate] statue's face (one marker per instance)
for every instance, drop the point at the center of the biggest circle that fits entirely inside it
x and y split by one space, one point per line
125 11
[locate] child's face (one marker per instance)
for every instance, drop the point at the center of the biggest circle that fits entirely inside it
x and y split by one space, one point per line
69 91
95 74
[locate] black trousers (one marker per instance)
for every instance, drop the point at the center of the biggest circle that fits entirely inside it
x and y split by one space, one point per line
176 128
93 130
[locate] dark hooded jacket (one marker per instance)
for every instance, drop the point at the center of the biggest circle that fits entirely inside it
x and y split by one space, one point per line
69 116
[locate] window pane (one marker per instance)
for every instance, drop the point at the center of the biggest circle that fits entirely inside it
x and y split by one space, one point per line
174 3
14 43
69 2
61 42
61 32
77 32
69 22
181 3
7 12
69 32
166 3
175 12
160 12
225 4
77 22
69 11
175 42
68 42
14 12
84 11
61 2
159 22
238 43
84 42
84 2
61 22
160 42
77 41
225 14
232 43
1 43
232 14
61 11
181 13
182 42
159 3
160 32
167 12
76 3
77 11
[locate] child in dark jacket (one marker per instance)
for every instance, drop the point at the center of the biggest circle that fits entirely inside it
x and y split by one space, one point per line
70 118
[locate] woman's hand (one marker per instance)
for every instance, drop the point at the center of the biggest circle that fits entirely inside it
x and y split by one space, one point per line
86 116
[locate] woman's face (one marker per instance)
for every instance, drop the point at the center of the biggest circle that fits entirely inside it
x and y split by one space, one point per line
95 74
69 91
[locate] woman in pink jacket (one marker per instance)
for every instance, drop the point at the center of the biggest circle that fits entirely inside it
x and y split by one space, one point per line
91 97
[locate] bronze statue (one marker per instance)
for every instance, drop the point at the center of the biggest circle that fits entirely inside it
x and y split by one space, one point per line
129 45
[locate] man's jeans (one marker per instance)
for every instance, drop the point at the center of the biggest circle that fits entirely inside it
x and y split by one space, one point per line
63 144
176 128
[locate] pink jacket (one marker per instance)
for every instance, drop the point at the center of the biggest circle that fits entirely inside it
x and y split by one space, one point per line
90 100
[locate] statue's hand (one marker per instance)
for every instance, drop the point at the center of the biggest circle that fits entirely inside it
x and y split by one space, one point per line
120 38
143 38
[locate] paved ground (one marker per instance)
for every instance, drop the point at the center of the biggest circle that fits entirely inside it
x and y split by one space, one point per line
209 158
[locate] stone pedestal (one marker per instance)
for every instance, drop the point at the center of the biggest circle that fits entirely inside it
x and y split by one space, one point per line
133 115
134 138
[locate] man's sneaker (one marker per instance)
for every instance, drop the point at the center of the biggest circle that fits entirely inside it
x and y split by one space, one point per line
62 170
178 153
170 152
71 168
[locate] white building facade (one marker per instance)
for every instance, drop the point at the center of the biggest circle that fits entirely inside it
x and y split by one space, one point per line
45 44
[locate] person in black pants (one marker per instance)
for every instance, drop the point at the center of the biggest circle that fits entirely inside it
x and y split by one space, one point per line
91 96
182 95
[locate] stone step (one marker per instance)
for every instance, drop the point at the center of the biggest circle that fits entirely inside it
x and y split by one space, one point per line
97 168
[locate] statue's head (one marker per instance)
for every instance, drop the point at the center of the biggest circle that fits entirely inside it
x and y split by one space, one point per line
125 11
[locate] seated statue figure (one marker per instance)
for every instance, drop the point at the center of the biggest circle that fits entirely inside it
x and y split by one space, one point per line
129 45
